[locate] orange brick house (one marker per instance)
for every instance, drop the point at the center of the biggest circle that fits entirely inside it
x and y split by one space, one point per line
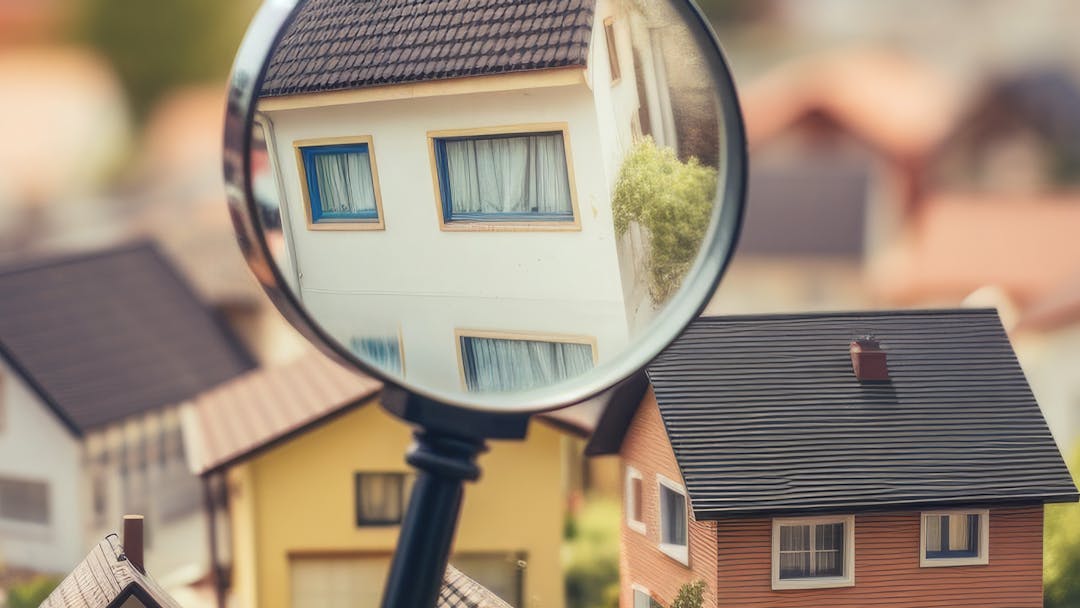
892 458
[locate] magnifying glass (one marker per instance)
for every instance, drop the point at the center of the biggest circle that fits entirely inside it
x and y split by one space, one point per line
498 208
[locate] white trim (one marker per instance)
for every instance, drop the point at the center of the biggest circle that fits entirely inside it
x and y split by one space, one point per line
628 496
982 559
636 588
848 580
679 553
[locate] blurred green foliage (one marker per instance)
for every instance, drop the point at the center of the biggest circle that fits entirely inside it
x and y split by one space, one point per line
1061 547
156 46
673 202
33 593
591 555
691 595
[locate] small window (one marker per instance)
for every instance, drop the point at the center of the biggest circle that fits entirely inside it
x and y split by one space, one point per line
384 352
504 178
642 598
673 520
635 519
380 499
494 364
613 50
341 185
955 538
24 501
811 553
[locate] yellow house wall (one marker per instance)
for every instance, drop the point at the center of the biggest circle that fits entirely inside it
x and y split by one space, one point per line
298 499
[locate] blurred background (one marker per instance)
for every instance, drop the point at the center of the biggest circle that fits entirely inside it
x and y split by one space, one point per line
904 153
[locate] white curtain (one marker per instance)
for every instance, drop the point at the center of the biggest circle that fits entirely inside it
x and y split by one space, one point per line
509 175
383 352
345 183
506 365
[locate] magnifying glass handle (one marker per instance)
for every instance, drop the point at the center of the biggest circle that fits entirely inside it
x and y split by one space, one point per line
445 463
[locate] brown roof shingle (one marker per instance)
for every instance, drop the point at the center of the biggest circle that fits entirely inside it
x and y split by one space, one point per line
347 44
106 578
107 335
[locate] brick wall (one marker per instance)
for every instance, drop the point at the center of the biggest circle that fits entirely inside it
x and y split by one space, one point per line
647 449
887 571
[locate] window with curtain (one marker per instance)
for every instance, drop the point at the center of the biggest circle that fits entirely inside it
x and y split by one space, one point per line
672 516
642 599
340 183
812 550
385 352
520 177
951 536
380 499
24 501
501 365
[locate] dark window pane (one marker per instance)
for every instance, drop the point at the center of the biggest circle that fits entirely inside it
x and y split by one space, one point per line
636 493
829 550
673 528
380 498
24 501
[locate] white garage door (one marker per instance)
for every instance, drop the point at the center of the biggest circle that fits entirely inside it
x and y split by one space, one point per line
346 582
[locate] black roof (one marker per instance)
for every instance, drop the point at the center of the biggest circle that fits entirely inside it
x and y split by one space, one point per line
107 335
347 44
765 415
106 579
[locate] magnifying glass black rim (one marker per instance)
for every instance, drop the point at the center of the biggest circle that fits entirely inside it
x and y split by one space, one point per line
249 71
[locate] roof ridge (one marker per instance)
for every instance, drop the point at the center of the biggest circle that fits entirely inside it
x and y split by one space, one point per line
905 312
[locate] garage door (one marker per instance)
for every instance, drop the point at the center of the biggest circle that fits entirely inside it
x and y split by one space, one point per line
333 582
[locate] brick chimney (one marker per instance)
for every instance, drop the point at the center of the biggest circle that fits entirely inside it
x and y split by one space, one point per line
868 360
133 541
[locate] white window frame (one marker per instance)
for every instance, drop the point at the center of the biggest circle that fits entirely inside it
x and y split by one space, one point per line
982 559
635 589
679 553
824 582
634 524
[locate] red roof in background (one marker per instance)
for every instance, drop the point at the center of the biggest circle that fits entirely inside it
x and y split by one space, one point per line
895 104
1027 246
258 409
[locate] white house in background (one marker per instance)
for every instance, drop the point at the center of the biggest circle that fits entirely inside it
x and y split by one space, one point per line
97 351
414 164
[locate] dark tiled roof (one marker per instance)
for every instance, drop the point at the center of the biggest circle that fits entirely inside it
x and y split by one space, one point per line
765 415
460 591
104 336
105 578
347 44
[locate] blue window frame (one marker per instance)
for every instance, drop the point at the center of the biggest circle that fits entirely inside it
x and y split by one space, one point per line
341 183
517 177
504 364
952 536
384 352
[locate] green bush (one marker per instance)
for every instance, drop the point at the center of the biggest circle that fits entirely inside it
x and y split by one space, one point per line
31 594
591 556
691 595
673 202
1061 547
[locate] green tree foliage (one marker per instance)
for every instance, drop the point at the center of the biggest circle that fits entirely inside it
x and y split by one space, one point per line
156 46
691 595
31 594
591 556
1061 547
673 202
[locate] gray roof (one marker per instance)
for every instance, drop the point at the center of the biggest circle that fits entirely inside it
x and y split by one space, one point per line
106 579
460 591
103 336
765 415
347 44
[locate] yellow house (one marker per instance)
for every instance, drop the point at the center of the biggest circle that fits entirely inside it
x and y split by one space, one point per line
316 485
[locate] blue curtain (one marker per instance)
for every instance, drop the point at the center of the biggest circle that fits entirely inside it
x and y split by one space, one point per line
383 352
501 365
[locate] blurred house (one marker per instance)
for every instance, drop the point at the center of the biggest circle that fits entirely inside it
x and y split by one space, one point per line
1047 338
317 487
96 353
838 143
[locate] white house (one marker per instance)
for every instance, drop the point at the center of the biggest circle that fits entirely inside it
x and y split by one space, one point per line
96 354
431 146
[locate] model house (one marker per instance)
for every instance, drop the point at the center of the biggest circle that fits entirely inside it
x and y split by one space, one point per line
456 142
96 353
317 487
892 458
